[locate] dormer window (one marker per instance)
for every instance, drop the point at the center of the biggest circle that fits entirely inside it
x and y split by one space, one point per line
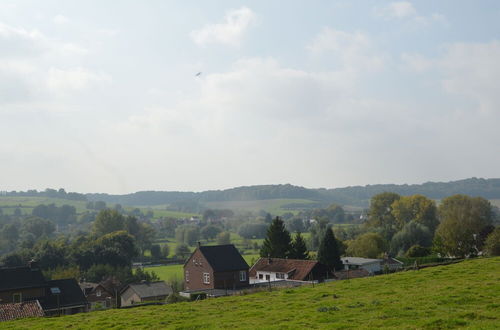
98 293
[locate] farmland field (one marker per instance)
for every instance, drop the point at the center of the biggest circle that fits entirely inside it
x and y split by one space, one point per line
463 295
273 206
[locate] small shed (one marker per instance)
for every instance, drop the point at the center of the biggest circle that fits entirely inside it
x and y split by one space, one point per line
145 292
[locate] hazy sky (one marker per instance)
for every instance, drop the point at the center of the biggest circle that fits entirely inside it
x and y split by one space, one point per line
101 96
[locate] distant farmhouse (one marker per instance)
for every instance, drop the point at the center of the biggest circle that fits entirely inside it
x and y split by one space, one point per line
21 285
219 267
102 295
145 292
276 269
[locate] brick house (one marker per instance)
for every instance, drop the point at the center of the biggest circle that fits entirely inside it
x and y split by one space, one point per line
215 267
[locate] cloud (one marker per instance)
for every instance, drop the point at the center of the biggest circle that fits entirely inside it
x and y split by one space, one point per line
352 50
60 19
35 67
404 10
469 70
230 32
75 79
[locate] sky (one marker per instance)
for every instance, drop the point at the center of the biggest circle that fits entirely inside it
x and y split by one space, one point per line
104 96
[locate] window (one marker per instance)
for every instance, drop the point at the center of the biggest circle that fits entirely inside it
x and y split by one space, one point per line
98 293
261 276
17 297
186 276
280 276
206 278
243 276
268 277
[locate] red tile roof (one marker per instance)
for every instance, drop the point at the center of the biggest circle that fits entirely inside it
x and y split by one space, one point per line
296 269
12 311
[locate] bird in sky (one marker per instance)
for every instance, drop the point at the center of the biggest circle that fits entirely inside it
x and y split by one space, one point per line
198 74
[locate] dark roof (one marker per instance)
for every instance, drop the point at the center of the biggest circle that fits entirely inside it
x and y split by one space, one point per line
223 258
20 277
150 289
295 268
70 295
21 310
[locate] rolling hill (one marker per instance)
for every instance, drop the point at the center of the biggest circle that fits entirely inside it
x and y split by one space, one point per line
461 295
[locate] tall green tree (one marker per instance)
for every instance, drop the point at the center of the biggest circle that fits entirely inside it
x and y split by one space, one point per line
369 245
380 213
329 253
278 243
108 221
299 249
463 218
416 208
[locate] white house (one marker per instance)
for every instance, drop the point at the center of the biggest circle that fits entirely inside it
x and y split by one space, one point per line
370 265
277 269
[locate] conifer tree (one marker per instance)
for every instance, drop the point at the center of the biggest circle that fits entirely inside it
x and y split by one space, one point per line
278 243
299 249
328 253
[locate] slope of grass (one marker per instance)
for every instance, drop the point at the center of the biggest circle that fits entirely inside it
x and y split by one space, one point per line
454 296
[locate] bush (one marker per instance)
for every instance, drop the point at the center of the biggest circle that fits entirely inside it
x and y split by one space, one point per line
418 251
492 244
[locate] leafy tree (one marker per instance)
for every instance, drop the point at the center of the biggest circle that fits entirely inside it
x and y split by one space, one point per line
223 238
278 243
412 233
165 251
182 251
210 232
418 251
38 227
328 253
380 213
416 208
51 254
295 225
369 245
116 249
299 249
253 230
108 221
492 244
462 220
155 251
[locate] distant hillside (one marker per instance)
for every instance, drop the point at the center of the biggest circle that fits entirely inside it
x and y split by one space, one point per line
463 295
355 196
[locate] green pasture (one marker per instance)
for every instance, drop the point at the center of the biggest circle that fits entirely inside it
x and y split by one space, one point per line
458 296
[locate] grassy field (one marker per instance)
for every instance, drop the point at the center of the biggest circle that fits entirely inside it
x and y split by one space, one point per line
463 295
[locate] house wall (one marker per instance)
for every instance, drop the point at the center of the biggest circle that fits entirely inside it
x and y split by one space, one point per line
230 280
272 277
129 297
105 300
371 267
196 266
27 294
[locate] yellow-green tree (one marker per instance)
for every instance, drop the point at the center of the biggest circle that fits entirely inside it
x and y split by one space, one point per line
417 208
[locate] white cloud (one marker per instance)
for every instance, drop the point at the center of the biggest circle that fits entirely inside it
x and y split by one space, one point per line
468 70
60 19
75 79
230 32
404 10
352 50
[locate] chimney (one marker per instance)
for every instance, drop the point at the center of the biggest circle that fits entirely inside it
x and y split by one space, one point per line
269 260
199 243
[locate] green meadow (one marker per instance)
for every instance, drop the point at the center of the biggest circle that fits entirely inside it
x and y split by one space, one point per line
463 295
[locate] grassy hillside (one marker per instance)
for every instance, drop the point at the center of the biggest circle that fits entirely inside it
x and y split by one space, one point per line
455 296
273 206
